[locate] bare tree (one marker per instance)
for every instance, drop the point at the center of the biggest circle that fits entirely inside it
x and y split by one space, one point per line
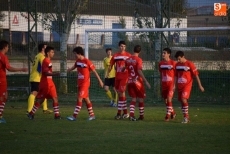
2 18
59 16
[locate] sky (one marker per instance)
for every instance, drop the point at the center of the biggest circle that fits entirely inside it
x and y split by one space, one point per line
197 3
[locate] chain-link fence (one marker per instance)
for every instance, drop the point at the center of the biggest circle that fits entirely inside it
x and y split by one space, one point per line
28 22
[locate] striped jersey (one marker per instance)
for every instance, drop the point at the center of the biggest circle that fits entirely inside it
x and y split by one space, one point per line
118 60
84 66
184 73
167 72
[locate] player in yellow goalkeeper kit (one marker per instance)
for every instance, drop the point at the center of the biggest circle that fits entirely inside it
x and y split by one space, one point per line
109 78
35 77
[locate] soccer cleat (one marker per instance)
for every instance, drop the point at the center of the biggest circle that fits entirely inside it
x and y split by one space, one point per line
2 120
132 119
47 111
141 118
117 117
173 116
185 121
57 117
125 116
31 117
111 103
114 104
166 119
71 118
91 118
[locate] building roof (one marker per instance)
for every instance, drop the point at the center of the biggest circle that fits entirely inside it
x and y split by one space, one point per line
95 7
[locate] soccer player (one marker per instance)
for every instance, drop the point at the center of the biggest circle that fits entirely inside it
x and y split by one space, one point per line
47 89
84 66
109 78
167 76
5 65
121 79
136 81
185 70
35 77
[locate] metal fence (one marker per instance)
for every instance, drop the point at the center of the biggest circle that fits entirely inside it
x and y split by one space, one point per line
208 49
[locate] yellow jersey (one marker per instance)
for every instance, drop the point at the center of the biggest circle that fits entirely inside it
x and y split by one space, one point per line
35 75
106 63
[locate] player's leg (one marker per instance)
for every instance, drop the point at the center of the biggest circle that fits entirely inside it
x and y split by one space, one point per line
141 95
34 86
39 99
53 94
107 90
170 113
132 94
115 96
3 98
56 107
77 109
122 98
90 109
184 96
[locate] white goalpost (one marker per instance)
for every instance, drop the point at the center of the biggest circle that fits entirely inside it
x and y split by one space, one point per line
88 31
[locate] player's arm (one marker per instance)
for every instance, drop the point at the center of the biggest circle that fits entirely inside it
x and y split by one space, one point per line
13 69
199 83
98 78
195 73
143 77
71 68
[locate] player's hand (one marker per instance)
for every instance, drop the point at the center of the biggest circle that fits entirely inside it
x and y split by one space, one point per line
101 84
147 84
24 70
201 88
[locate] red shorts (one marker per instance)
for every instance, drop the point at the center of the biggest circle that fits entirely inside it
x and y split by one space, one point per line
167 92
83 92
136 90
3 90
120 85
184 93
47 91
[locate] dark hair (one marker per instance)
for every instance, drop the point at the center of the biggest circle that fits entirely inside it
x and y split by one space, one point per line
79 50
168 50
107 49
179 54
48 49
3 44
121 42
137 49
40 46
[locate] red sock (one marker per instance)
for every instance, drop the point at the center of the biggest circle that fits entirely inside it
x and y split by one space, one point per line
141 109
77 109
2 105
185 109
132 108
56 109
120 105
90 109
35 107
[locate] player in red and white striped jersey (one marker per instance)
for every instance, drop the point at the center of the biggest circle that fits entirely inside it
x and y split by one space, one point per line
121 78
167 73
185 70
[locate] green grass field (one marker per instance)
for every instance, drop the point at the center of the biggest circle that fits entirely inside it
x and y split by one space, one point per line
208 131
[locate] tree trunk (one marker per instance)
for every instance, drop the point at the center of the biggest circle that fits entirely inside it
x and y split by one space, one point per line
63 88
